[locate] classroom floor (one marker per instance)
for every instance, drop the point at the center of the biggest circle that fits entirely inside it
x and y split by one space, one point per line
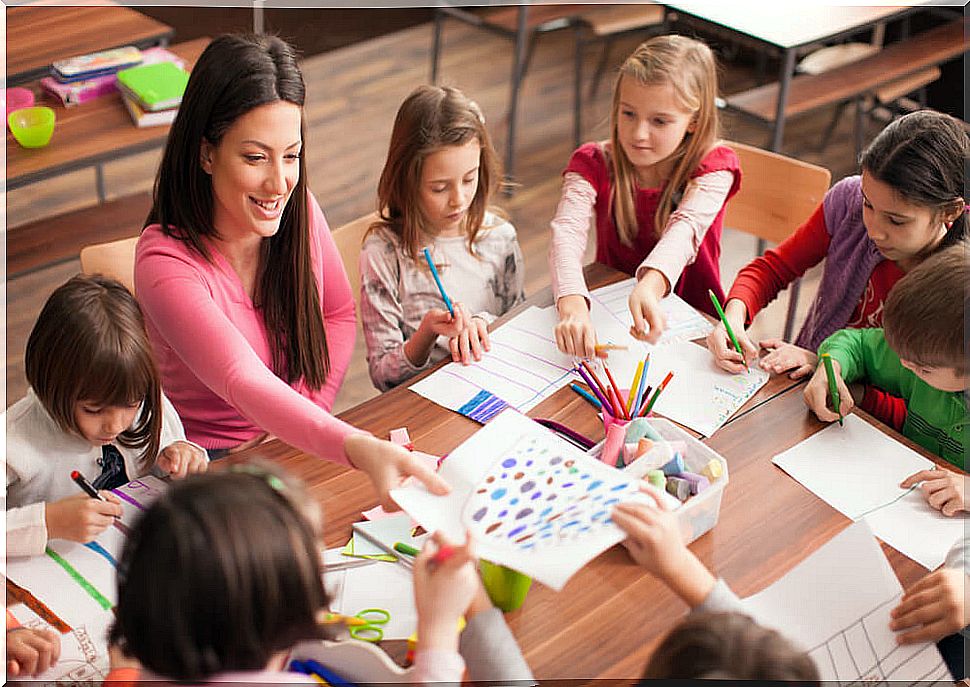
353 94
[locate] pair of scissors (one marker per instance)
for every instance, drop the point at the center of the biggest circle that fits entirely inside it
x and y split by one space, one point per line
367 625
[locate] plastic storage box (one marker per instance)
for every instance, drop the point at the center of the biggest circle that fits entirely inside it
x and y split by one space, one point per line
699 513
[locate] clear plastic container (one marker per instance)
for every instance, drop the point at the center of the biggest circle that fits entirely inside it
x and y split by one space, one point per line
699 513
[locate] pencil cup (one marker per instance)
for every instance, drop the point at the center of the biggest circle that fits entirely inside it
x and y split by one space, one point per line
506 587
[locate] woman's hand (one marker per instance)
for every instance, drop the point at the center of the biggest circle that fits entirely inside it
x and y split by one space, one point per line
81 518
181 458
817 394
649 320
470 342
388 466
574 332
722 348
785 357
943 490
443 590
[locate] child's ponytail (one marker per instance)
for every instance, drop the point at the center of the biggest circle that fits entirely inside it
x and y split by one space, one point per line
689 66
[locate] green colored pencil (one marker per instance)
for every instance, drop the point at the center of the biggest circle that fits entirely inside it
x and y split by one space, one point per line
734 339
833 386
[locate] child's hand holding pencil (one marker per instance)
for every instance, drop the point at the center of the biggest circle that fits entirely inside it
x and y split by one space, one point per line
827 406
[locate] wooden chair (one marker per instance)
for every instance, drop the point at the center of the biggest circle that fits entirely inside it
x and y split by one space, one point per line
778 194
602 25
349 238
113 259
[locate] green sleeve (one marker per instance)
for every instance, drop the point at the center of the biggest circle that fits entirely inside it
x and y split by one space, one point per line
864 355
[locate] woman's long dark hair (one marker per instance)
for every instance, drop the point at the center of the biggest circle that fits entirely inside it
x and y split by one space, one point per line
235 74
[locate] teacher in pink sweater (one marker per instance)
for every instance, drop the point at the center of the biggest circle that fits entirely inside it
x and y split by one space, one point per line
246 300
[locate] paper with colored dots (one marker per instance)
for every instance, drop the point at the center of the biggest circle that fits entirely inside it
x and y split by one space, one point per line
531 500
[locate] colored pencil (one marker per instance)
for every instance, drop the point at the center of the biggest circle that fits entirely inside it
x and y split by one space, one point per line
437 280
601 386
634 386
653 399
616 389
734 339
834 395
585 394
600 349
406 549
638 401
24 596
604 403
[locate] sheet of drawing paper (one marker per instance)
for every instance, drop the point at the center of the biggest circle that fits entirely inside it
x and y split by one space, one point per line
381 585
533 502
523 368
857 469
683 322
84 650
137 495
835 604
385 532
700 396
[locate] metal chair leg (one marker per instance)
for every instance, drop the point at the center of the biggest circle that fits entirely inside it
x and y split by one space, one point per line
827 136
793 291
518 71
436 44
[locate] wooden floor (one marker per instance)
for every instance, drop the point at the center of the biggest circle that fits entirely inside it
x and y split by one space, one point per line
353 94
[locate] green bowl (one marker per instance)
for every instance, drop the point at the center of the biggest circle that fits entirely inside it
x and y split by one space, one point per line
506 587
32 126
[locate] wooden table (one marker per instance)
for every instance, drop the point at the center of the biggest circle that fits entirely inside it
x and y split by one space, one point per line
768 523
38 35
784 28
89 134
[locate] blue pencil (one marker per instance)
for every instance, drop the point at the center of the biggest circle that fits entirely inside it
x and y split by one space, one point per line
437 280
585 394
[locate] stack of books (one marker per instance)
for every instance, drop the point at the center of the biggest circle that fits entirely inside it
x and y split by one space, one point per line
153 92
76 92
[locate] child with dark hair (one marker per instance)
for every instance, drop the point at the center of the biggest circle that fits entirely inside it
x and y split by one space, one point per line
919 356
870 230
717 640
94 405
221 577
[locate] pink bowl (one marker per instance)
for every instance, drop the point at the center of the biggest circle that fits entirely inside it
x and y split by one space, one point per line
17 98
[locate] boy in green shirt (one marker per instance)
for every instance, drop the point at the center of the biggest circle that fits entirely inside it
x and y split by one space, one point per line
920 356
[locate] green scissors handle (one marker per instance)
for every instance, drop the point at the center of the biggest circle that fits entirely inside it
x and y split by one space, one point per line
371 629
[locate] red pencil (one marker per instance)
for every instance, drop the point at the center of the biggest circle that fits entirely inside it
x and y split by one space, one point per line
625 415
653 399
442 555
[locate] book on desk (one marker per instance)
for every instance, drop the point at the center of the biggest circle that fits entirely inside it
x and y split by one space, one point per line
153 92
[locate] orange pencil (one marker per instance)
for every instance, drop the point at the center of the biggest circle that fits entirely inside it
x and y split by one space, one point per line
653 399
625 415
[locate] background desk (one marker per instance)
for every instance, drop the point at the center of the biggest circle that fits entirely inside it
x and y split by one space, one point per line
768 523
89 134
38 35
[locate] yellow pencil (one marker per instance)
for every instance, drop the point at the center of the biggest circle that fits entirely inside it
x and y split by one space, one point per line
633 387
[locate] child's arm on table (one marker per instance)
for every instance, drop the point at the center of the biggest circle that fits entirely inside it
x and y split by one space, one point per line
944 490
31 652
934 607
653 540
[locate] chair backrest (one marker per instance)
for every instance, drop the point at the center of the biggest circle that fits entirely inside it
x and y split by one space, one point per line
778 193
349 237
113 259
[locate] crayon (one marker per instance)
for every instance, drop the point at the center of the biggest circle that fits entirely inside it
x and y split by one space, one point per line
406 549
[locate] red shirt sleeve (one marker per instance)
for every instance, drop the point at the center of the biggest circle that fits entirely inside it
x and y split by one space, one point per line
885 407
759 282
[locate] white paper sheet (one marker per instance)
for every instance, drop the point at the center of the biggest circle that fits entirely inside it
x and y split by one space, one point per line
857 469
380 585
76 581
524 366
533 502
835 604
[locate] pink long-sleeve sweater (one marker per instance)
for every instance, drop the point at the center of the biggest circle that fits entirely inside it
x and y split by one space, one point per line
213 353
